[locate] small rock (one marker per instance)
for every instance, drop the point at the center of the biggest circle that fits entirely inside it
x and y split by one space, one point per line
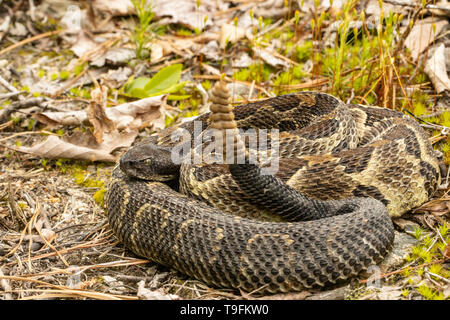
116 78
156 52
74 279
211 51
389 293
238 89
335 294
270 57
115 56
115 285
157 280
17 29
446 291
147 294
243 60
3 63
109 279
412 280
405 225
402 246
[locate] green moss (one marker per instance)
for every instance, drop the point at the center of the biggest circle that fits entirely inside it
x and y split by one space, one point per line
191 113
31 124
168 121
22 204
406 272
64 75
417 232
206 84
99 196
298 72
183 31
257 72
86 93
79 69
304 52
16 120
81 178
267 21
88 180
405 292
421 102
44 163
62 164
430 294
82 93
41 73
435 268
443 230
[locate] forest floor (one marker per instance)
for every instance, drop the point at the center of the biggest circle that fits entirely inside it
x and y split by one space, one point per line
80 82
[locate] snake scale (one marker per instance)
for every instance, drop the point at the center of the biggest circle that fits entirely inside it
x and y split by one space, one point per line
321 218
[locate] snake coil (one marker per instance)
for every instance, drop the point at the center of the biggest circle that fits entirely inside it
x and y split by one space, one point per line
344 169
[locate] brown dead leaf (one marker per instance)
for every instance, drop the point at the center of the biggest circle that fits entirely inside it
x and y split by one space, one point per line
84 44
447 252
185 12
114 7
271 57
97 115
230 33
82 146
436 69
107 122
422 34
132 115
435 207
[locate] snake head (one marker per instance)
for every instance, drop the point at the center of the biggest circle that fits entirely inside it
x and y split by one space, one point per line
149 162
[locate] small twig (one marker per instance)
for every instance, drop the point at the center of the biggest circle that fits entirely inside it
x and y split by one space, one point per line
6 84
10 94
32 10
52 254
65 290
444 130
352 95
250 91
5 26
70 83
6 112
4 283
437 276
205 97
23 42
6 124
26 133
434 114
403 269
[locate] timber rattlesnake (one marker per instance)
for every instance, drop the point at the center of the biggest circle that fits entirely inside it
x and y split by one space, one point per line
327 150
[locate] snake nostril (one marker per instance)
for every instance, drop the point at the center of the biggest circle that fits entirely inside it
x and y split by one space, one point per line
127 163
